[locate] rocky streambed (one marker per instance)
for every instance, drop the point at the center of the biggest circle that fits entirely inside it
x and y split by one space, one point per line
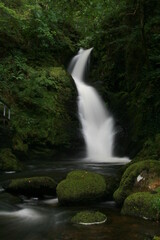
30 209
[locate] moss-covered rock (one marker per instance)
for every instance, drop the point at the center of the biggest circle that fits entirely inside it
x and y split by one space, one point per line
81 186
41 97
143 204
8 161
34 186
89 218
138 177
156 238
112 183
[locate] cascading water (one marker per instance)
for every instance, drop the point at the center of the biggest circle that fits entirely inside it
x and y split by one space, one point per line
97 124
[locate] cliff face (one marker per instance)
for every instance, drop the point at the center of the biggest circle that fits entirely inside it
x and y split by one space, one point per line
126 66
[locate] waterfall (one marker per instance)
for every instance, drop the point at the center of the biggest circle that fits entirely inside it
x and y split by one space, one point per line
97 124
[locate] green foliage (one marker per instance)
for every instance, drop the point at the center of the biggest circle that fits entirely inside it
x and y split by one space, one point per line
19 145
40 98
151 149
81 187
127 184
89 217
156 238
34 25
34 186
125 68
8 161
144 204
35 42
157 190
36 36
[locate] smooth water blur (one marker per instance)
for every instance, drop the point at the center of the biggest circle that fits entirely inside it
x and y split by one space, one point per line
37 219
49 222
97 124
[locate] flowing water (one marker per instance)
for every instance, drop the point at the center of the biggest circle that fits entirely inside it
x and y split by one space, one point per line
97 124
36 219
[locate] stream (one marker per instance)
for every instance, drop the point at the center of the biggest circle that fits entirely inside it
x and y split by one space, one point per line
36 219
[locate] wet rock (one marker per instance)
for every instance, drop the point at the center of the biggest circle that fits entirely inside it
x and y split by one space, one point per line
112 183
34 186
142 204
143 176
81 186
8 202
89 218
9 198
8 161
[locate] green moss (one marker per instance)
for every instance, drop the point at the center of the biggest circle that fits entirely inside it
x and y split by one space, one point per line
157 189
42 98
19 145
151 148
81 187
129 177
44 116
144 204
89 217
112 183
34 186
8 161
156 238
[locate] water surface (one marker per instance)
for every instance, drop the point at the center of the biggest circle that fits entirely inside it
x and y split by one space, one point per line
37 219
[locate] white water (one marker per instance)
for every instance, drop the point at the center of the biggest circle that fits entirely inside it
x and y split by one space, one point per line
97 124
26 214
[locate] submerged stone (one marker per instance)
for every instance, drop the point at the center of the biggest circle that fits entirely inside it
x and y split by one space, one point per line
81 186
34 186
142 204
89 218
8 202
9 198
8 161
142 176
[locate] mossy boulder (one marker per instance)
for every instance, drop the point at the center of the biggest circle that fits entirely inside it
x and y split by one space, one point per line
34 186
89 218
138 177
112 183
81 186
156 238
142 204
8 161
